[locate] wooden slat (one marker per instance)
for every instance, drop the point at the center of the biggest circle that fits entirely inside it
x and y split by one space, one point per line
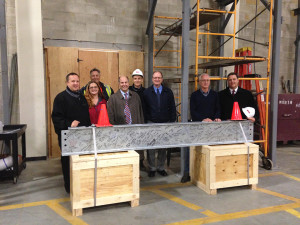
106 62
59 62
129 61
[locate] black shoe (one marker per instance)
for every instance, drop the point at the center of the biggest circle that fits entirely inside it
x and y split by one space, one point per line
162 172
151 174
185 178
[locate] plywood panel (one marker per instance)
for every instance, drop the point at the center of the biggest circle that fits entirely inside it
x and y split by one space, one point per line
59 62
129 61
106 62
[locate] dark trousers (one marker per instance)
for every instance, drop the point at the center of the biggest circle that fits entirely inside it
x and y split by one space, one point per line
65 164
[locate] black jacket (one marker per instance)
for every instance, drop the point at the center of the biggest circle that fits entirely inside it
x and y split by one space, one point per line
66 109
242 96
166 112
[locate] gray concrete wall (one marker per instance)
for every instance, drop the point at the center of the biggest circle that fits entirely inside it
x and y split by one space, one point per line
288 36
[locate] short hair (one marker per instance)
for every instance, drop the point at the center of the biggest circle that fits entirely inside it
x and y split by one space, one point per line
71 74
122 76
202 74
158 72
94 69
231 74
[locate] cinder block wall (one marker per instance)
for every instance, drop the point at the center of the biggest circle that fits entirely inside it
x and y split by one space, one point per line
288 36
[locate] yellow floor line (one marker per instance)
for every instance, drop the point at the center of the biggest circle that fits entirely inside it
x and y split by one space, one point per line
269 174
30 204
209 213
64 213
290 176
177 200
278 194
237 215
149 188
293 212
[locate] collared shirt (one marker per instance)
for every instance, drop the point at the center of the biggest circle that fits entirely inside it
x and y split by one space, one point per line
123 93
204 93
159 89
235 90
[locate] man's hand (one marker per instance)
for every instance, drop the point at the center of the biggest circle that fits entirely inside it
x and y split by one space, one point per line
252 119
217 120
75 123
207 120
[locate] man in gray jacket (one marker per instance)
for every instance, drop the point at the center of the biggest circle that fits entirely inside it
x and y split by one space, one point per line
125 107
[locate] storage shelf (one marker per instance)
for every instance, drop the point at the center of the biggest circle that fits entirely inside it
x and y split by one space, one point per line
229 62
204 17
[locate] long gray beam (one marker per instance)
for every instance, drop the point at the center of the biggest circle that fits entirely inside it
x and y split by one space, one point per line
275 79
79 141
4 64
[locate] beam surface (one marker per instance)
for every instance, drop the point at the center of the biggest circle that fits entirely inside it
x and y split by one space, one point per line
79 141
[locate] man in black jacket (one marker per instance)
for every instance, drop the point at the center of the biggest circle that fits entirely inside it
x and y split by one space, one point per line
234 93
137 87
70 109
159 108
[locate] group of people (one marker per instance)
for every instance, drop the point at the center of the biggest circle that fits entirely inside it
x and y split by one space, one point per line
135 104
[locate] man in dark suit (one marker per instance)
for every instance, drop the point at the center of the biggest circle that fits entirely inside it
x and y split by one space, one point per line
159 108
234 93
70 109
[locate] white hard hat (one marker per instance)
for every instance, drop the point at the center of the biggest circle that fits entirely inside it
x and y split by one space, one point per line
137 72
249 111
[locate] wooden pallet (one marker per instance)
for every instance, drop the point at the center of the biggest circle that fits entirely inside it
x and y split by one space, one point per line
221 166
117 180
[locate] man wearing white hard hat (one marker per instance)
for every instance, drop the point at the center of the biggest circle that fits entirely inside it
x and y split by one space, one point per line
137 87
234 93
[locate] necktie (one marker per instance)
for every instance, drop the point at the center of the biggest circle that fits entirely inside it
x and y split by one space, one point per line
127 110
233 92
158 97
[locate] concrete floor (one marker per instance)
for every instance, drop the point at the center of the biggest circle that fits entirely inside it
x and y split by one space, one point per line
39 198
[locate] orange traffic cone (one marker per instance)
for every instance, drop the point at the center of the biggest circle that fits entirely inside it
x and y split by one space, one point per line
103 120
236 112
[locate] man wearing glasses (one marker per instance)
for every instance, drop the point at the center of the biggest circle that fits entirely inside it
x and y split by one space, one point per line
204 107
204 103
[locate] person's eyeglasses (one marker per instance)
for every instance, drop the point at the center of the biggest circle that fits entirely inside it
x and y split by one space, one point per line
93 87
204 80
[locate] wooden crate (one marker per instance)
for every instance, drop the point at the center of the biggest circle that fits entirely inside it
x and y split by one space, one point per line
117 180
221 166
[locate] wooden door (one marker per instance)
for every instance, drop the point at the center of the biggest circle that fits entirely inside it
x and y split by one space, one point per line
59 62
106 62
129 61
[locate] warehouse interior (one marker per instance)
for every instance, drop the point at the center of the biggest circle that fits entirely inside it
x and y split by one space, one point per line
42 41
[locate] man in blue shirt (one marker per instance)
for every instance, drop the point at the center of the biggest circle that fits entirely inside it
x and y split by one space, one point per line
159 108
